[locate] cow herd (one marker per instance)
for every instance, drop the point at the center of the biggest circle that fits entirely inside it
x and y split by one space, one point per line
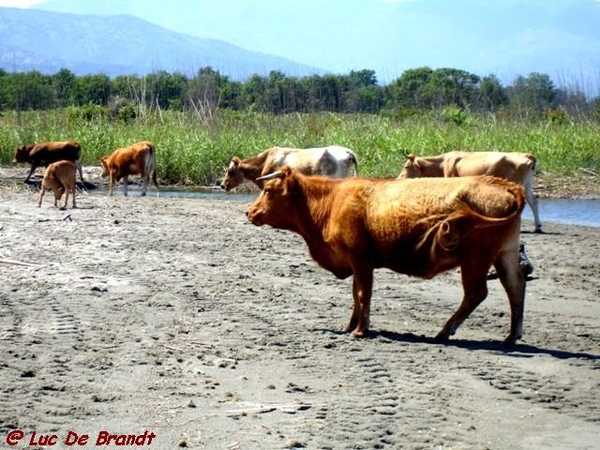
456 210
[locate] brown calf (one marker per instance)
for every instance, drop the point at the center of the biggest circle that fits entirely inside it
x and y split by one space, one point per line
137 159
60 177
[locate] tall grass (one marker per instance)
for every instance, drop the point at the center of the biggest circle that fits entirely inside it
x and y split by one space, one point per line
194 151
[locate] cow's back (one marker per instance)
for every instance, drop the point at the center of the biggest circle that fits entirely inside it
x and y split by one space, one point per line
515 167
49 152
406 202
401 212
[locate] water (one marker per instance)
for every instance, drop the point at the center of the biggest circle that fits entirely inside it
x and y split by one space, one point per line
574 212
204 193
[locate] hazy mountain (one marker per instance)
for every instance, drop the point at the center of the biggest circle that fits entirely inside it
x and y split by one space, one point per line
48 41
505 37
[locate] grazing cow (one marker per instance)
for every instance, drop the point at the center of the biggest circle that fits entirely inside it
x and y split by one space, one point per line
419 227
332 161
137 159
517 167
60 177
44 153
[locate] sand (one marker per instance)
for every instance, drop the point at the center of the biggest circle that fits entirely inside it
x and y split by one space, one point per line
178 319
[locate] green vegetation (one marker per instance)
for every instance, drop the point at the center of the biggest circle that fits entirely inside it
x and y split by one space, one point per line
199 123
193 147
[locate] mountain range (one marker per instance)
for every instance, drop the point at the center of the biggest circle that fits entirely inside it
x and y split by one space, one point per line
119 45
505 37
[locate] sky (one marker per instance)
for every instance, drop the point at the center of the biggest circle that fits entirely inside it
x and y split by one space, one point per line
19 3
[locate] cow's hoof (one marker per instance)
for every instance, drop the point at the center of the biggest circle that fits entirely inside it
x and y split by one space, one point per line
360 333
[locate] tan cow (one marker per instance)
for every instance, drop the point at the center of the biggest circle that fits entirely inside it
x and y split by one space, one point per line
419 227
137 159
60 177
517 167
43 153
333 161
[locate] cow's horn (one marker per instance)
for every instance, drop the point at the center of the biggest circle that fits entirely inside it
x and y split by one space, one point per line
270 176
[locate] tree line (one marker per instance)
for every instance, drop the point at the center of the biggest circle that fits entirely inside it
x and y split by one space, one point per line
356 92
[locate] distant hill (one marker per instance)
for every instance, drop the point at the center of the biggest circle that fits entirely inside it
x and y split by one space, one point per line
506 37
46 41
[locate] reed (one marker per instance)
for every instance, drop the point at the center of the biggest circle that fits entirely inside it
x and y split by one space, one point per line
193 150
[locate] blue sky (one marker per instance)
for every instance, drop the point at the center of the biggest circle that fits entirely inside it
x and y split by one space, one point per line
19 3
520 40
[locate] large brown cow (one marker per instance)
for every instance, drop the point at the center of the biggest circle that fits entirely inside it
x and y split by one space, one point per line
137 159
333 161
44 153
59 177
419 227
517 167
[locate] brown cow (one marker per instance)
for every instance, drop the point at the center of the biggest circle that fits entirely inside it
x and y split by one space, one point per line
419 227
517 167
60 177
137 159
333 161
44 153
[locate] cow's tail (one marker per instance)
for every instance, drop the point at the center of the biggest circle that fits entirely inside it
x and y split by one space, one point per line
151 163
445 231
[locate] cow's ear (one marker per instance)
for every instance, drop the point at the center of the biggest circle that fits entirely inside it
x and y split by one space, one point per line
236 161
411 157
286 171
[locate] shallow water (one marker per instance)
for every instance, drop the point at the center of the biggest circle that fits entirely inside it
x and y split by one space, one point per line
574 212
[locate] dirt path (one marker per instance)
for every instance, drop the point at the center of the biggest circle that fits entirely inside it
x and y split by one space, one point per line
177 317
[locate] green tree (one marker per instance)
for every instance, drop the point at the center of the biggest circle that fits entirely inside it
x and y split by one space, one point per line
535 92
410 90
29 90
452 87
492 95
62 81
91 89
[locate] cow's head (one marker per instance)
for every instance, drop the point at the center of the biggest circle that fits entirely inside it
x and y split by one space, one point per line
233 175
412 168
274 206
22 154
104 167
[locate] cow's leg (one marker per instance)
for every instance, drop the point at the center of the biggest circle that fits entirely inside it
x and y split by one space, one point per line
74 204
111 184
474 280
79 168
145 183
362 288
533 204
42 192
64 207
513 281
33 167
125 182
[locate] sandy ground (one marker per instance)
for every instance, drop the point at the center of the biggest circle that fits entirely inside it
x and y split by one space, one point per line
177 317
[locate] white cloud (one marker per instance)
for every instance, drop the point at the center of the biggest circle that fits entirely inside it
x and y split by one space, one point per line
19 3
